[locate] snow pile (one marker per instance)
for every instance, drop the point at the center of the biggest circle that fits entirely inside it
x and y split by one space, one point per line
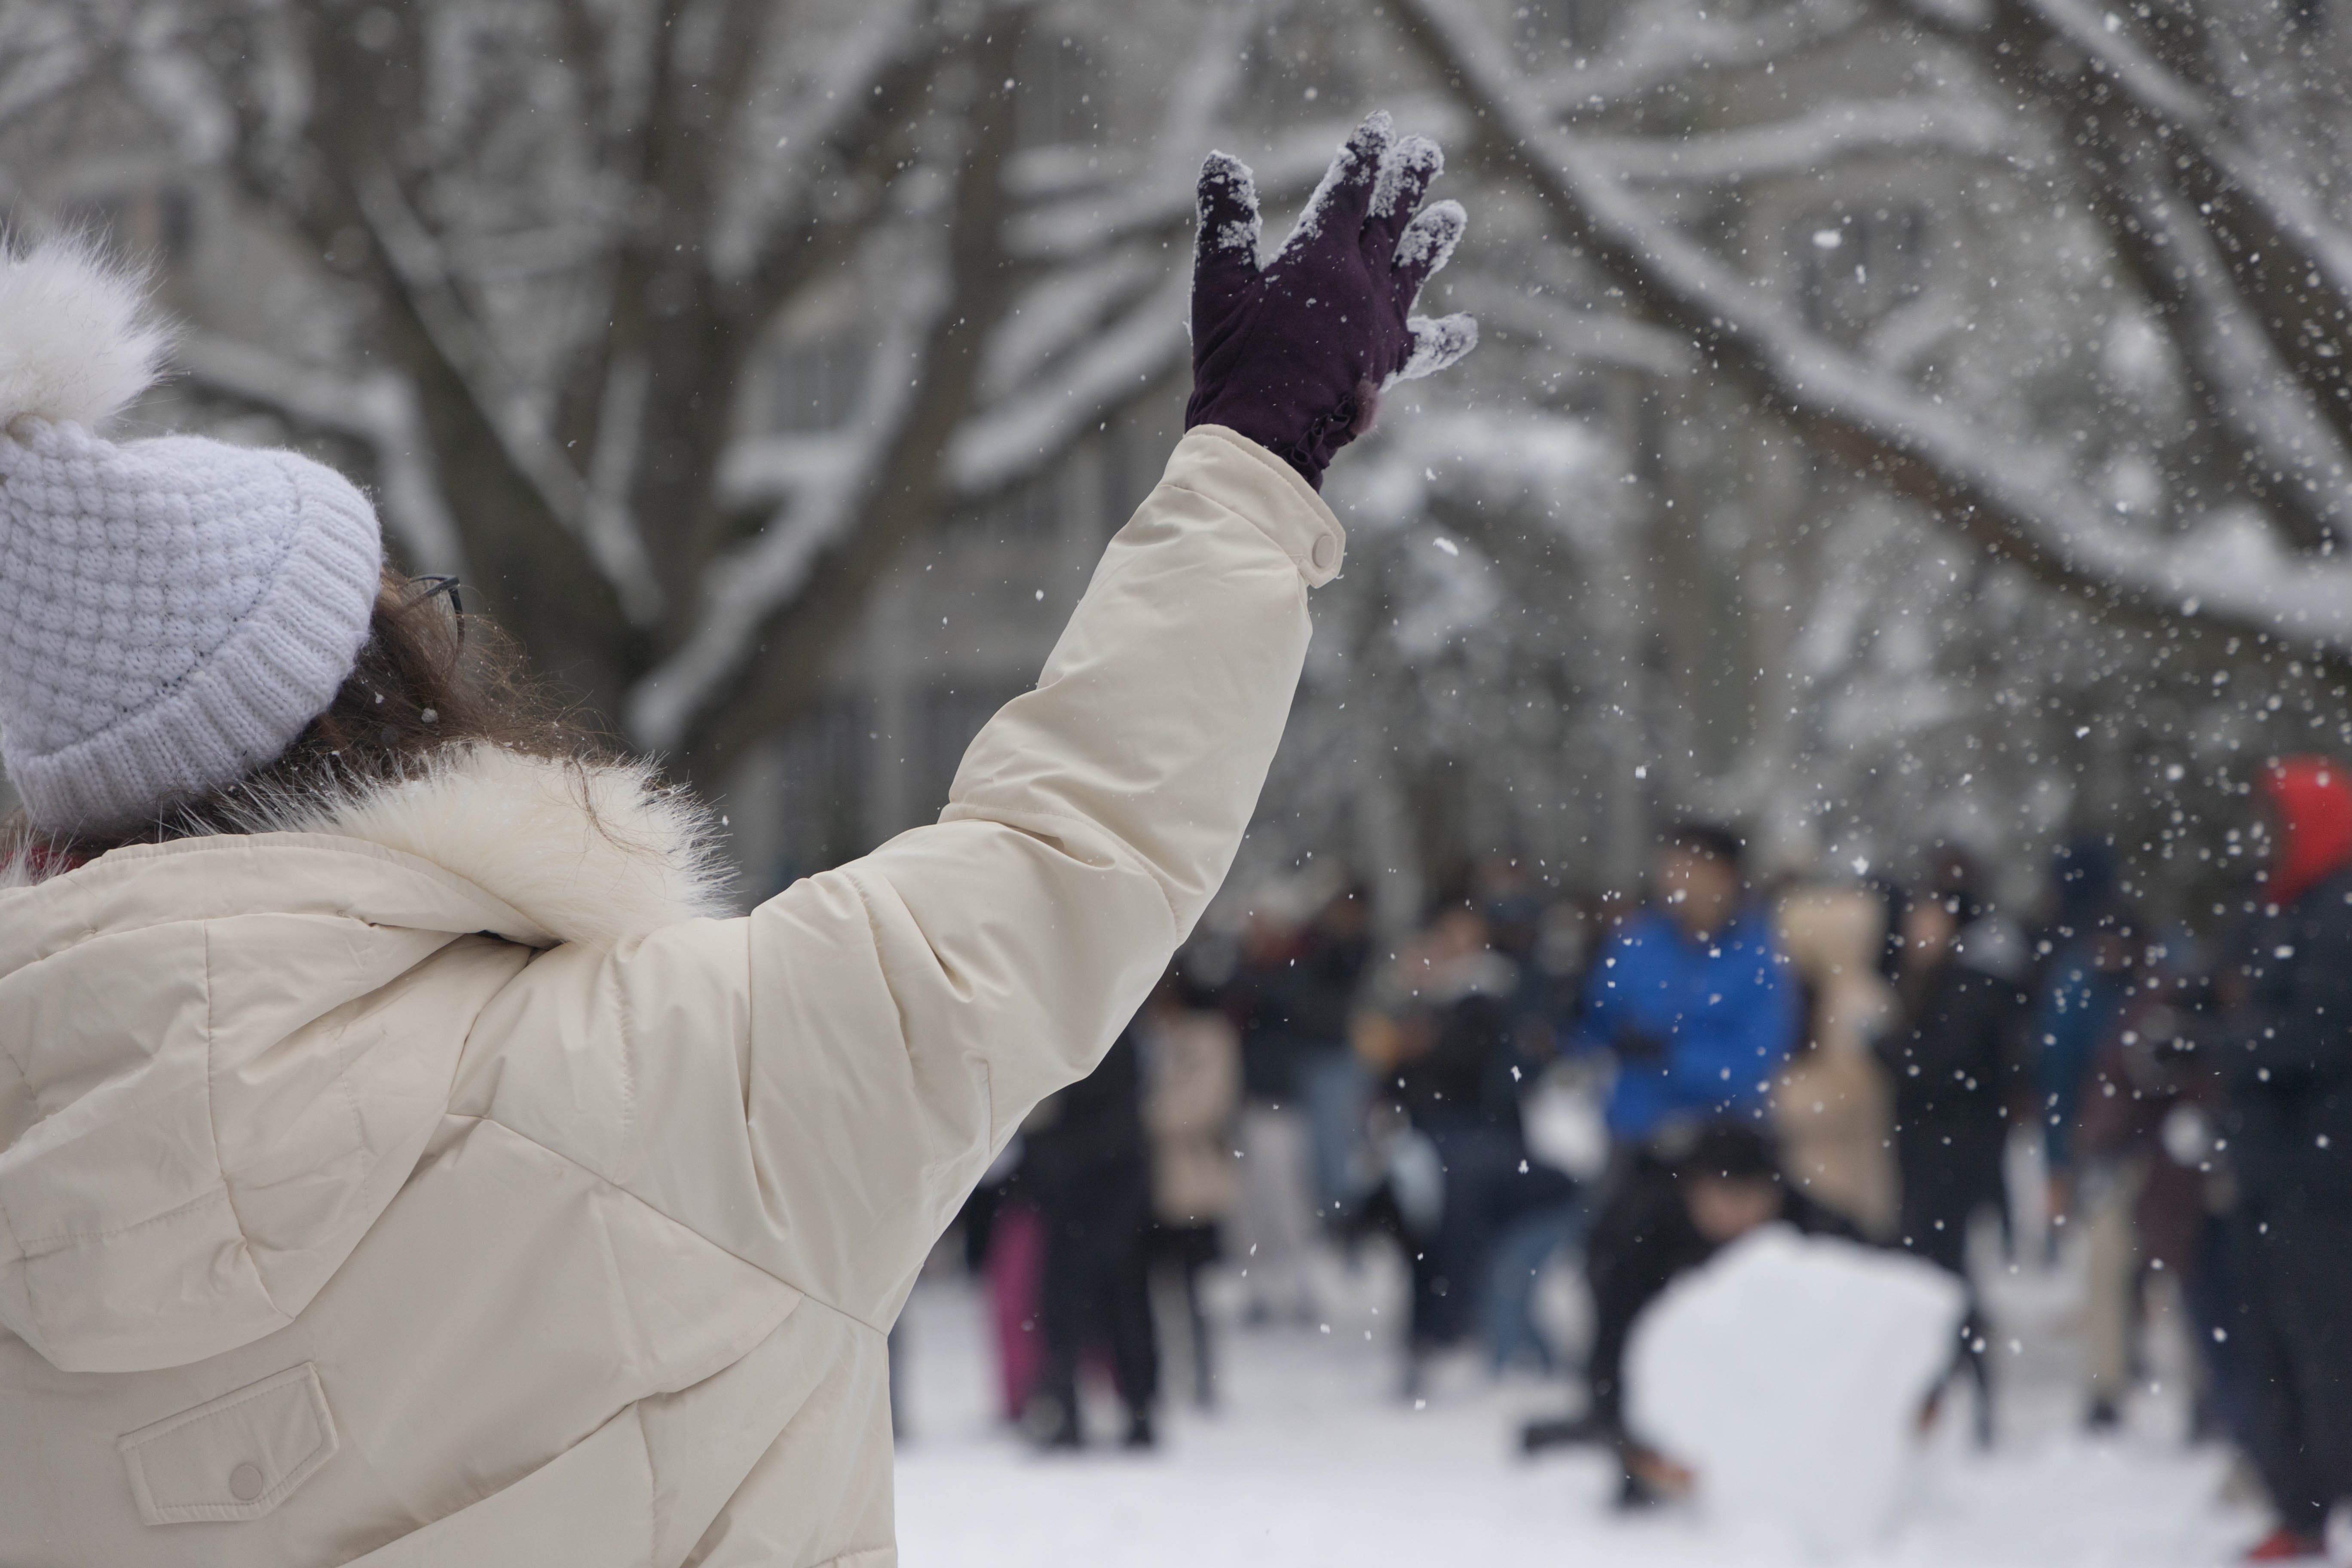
1788 1372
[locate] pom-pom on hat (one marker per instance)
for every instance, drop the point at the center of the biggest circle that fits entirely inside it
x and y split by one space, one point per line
173 612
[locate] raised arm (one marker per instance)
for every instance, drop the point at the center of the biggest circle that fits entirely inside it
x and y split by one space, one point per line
818 1086
909 1008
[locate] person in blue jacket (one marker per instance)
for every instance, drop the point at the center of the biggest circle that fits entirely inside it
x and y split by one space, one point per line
1692 996
1693 999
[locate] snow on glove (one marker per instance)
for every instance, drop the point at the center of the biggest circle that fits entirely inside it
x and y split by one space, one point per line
1295 354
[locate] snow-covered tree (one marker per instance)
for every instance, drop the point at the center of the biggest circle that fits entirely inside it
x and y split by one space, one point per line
669 322
2192 145
1952 465
1898 419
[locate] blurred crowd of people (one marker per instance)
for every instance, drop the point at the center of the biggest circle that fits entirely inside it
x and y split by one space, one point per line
1628 1086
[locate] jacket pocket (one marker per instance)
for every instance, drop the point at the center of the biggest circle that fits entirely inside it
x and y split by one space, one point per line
238 1457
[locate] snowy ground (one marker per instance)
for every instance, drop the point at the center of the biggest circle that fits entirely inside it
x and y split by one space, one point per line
1312 1460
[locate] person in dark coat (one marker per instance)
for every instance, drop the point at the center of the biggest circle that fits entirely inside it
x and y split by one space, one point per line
1955 1066
1087 1167
1457 1077
1291 996
2149 1119
2285 1050
1295 996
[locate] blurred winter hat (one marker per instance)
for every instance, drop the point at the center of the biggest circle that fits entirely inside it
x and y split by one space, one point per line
172 611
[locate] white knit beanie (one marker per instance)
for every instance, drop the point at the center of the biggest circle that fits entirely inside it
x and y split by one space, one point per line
172 611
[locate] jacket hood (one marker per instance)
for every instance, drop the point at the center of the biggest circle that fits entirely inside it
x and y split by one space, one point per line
2314 796
219 1058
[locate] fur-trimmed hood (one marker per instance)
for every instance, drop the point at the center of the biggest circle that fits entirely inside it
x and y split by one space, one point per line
581 852
228 1050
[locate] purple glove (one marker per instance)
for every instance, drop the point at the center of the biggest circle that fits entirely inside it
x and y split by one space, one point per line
1295 354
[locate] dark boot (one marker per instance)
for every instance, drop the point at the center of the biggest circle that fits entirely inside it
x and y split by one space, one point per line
1588 1430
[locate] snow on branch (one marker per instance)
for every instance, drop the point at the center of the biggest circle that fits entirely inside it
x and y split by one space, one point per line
2297 211
1187 124
2257 393
782 152
1566 326
1200 91
1029 428
2024 496
425 278
605 516
827 477
1553 460
376 407
45 53
1810 141
1058 311
765 470
417 258
1046 376
1663 43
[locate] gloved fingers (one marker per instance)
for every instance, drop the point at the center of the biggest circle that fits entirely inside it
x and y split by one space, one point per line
1225 253
1427 245
1403 179
1341 201
1436 343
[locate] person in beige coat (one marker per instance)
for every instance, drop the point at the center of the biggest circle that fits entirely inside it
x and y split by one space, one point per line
1192 1088
404 1157
1831 1104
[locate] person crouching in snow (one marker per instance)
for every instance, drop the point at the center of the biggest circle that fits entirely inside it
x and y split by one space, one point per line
1726 1186
402 1159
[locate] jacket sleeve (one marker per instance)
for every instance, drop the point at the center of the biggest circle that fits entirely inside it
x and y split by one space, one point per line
818 1085
1731 1061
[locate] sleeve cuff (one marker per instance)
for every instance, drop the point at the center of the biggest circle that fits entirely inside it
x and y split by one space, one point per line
1242 477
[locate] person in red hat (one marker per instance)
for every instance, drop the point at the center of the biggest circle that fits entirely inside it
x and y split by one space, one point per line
2285 1046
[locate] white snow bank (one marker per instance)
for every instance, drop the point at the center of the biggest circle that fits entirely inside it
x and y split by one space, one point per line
1788 1374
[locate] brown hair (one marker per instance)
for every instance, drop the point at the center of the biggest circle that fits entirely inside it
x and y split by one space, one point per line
427 679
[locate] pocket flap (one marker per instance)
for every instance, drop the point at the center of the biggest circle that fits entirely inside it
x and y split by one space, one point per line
238 1457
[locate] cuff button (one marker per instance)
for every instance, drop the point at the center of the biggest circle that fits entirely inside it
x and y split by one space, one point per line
1326 553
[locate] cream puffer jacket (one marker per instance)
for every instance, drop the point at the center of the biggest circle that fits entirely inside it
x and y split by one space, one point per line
432 1182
